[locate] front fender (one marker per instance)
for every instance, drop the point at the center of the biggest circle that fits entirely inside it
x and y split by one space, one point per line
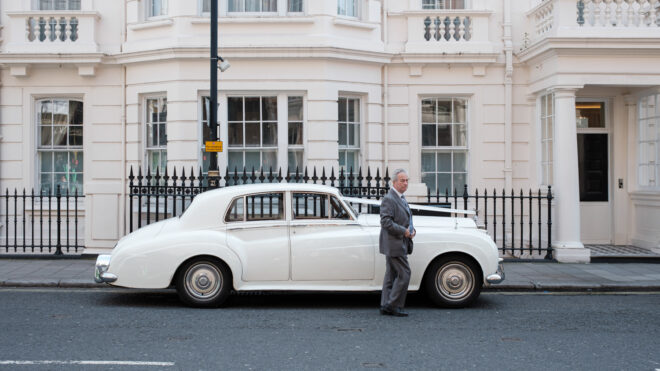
152 264
472 242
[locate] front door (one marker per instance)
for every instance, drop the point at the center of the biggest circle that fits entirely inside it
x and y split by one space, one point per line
326 243
594 170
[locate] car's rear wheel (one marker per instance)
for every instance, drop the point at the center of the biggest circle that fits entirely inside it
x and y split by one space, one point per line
203 282
453 281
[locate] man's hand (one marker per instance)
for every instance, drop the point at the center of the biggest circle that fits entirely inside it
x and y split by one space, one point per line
407 234
413 234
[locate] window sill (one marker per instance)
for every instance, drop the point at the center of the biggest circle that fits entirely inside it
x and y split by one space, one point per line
355 24
248 19
149 24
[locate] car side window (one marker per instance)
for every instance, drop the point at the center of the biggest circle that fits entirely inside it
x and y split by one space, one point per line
337 209
310 205
235 213
265 206
259 206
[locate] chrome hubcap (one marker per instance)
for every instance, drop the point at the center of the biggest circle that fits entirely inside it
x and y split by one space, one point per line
203 281
455 281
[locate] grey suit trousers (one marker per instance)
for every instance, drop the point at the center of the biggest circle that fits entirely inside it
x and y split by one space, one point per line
395 283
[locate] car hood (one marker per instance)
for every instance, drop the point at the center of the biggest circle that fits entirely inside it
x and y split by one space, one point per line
423 221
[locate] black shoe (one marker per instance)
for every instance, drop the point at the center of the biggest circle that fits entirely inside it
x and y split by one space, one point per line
399 312
386 311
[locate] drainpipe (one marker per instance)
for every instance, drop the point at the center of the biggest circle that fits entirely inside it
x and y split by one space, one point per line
508 96
122 203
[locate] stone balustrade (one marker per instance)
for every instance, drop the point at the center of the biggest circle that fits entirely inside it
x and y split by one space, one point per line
448 31
594 18
52 32
618 13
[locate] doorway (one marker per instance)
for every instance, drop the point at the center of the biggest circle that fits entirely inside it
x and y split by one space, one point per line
593 141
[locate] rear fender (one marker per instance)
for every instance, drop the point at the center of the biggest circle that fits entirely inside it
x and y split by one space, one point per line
151 266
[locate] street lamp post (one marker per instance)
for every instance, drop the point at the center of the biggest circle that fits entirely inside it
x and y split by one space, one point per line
214 172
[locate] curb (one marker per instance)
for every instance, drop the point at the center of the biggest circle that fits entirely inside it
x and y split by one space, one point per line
53 284
521 287
537 287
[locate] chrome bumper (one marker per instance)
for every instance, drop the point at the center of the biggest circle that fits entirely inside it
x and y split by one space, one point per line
101 274
498 276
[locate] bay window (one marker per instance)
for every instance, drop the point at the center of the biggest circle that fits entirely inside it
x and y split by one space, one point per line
252 129
648 141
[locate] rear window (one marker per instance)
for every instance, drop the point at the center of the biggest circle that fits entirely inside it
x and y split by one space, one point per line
254 207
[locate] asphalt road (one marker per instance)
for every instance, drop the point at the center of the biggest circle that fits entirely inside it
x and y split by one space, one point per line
62 329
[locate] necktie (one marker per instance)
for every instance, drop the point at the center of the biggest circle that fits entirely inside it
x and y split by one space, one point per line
410 225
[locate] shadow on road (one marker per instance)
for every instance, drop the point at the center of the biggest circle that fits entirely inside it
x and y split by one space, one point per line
275 300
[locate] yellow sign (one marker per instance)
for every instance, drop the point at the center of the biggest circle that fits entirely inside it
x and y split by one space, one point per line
213 146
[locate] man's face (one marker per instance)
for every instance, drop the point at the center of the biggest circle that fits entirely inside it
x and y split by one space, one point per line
401 182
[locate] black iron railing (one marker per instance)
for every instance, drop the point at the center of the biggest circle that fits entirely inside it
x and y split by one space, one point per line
40 223
520 223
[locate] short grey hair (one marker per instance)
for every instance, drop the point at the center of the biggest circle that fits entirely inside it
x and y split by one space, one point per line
396 173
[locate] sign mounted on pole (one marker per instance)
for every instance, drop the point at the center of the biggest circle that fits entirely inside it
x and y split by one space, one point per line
213 146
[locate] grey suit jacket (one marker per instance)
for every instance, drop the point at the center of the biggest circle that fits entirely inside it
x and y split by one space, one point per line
394 220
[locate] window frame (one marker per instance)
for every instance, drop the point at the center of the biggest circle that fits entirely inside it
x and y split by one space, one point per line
282 148
642 153
149 4
36 5
252 13
357 7
452 149
261 148
357 148
466 5
145 131
546 168
53 149
245 207
328 197
296 148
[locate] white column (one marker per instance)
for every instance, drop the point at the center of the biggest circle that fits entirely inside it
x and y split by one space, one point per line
567 247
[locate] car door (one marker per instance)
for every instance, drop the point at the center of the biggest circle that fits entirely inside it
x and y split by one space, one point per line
258 232
327 244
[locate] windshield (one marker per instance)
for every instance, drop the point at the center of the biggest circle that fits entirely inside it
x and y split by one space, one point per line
355 212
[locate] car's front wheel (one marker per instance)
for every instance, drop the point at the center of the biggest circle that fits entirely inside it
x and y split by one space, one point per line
203 282
453 281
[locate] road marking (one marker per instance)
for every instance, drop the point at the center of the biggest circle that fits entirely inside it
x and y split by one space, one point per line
96 363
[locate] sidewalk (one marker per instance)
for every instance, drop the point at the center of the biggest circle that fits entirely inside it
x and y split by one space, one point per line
520 276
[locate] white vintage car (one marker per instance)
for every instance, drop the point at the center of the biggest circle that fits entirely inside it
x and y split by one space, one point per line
295 237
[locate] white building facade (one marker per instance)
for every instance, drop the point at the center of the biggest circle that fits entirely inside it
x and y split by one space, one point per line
495 94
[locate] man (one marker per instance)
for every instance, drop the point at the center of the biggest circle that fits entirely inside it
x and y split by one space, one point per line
396 234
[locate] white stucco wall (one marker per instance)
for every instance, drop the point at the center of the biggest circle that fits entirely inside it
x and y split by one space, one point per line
381 57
